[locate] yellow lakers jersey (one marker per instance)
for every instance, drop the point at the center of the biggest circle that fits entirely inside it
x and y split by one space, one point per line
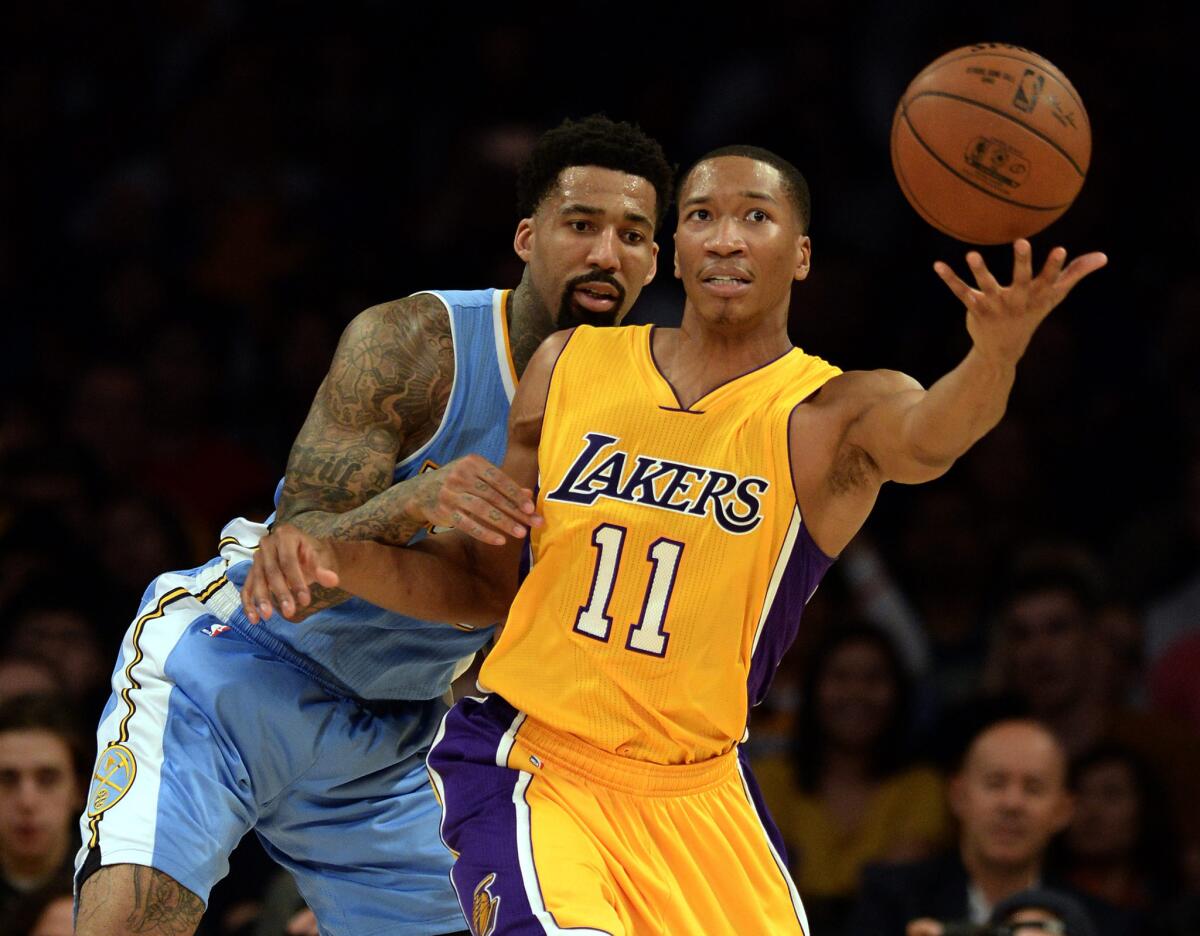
673 565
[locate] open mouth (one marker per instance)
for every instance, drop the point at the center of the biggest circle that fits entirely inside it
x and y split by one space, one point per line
596 297
725 284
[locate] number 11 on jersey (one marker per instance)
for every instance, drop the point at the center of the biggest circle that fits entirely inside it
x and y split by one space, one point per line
593 620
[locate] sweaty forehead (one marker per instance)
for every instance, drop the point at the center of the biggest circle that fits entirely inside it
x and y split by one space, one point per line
725 175
610 189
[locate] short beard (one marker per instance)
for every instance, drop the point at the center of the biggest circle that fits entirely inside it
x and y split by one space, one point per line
570 315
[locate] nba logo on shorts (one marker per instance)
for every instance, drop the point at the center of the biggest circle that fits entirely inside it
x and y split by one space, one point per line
484 908
216 630
114 774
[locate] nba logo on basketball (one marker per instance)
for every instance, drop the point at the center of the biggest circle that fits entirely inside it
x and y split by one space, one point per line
1028 91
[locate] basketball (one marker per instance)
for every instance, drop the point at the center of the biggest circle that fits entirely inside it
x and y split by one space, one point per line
990 143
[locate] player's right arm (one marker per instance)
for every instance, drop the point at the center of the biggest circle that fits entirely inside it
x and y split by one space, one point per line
450 577
384 396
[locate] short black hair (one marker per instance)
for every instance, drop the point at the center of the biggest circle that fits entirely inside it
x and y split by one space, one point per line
1052 568
51 714
595 141
794 183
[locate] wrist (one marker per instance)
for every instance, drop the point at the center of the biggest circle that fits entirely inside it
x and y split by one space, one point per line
1001 362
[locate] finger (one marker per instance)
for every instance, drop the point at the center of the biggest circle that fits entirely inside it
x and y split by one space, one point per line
960 289
261 593
248 596
493 510
1054 265
983 276
293 574
1079 268
276 583
1022 262
473 527
317 560
499 481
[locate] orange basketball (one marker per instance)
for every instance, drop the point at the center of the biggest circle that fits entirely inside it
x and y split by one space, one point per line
990 143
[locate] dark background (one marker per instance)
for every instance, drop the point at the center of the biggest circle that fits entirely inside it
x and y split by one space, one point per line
195 197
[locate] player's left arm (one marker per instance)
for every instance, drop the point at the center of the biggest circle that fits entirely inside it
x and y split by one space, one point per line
449 577
914 435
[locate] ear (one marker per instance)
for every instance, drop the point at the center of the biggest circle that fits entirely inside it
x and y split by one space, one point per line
675 241
803 257
653 264
523 239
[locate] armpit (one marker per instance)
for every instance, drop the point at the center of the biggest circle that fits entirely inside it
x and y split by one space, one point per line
853 468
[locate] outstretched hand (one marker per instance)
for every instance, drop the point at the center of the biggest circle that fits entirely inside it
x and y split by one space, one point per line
1002 319
287 562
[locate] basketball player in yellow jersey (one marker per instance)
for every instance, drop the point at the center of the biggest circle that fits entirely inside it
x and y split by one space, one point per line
694 485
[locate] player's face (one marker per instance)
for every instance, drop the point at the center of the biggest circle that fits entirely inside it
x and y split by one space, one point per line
590 245
1010 796
739 244
38 794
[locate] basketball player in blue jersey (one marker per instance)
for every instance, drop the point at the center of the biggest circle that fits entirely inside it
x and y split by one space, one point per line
695 485
313 731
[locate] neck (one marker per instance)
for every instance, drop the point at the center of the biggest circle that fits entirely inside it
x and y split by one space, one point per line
702 355
999 881
529 322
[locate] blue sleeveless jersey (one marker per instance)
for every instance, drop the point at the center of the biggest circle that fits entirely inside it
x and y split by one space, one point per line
356 648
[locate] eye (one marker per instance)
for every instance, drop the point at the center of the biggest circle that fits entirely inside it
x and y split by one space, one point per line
634 237
758 216
580 226
699 214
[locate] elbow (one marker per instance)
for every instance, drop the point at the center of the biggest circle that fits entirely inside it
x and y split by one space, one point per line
923 465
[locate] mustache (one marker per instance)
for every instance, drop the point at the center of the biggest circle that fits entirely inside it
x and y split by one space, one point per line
569 316
597 276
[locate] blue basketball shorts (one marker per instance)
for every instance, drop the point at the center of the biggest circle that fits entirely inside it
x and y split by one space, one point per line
206 736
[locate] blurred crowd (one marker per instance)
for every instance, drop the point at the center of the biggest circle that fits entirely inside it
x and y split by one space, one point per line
194 200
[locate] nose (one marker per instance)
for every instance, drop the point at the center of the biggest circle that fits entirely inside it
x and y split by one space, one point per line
603 254
725 238
1013 799
26 794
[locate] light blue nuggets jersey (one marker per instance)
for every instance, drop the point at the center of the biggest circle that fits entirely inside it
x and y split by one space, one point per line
356 648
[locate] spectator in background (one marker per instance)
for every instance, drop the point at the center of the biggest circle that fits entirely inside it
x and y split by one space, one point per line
53 624
1032 912
22 675
1010 798
1053 666
48 911
1120 846
844 797
40 795
1043 905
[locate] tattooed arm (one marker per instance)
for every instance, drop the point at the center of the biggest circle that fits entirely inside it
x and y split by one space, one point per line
383 398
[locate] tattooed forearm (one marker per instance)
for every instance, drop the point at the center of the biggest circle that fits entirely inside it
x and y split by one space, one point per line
383 398
162 905
134 899
384 518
